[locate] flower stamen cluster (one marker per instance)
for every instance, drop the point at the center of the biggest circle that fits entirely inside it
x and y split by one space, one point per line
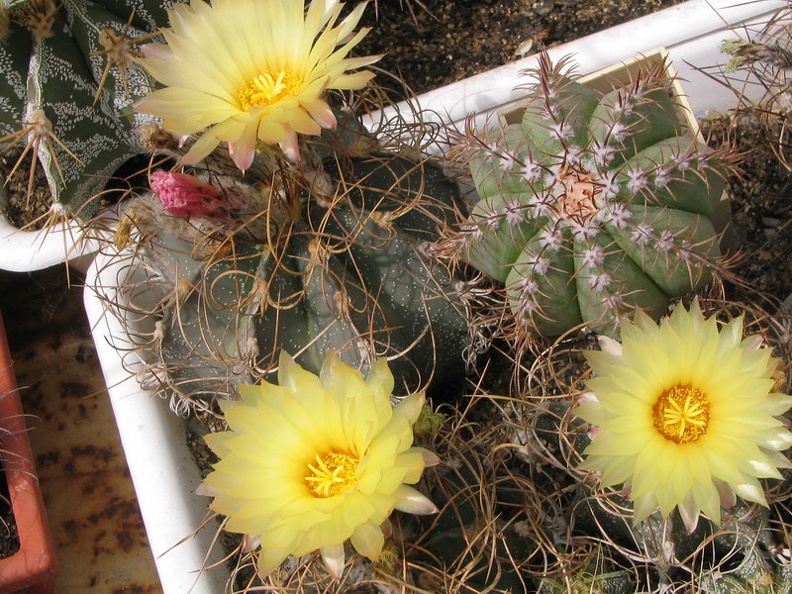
266 89
317 460
681 414
248 72
333 474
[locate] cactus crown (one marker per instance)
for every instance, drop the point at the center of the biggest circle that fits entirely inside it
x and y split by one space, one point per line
593 203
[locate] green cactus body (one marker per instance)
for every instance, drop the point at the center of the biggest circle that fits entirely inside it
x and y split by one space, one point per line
755 575
350 273
594 204
743 544
48 92
590 580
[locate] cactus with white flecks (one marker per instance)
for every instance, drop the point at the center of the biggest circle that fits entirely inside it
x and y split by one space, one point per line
333 254
67 86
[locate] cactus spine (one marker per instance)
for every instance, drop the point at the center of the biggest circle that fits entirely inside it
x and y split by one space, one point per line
329 254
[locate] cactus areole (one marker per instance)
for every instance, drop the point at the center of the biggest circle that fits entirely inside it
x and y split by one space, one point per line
595 204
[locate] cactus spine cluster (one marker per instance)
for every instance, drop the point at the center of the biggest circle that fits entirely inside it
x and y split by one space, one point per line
66 90
594 204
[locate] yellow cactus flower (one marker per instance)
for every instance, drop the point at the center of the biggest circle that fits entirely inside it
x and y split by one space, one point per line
316 460
252 70
685 415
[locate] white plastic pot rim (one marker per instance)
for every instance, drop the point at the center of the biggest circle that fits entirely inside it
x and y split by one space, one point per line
24 251
161 465
691 32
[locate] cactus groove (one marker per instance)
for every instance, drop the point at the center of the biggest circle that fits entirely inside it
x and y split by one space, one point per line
67 88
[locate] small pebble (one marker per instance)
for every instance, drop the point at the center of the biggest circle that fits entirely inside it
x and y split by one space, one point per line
771 222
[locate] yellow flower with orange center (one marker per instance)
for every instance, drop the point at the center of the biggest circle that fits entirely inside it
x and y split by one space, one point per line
316 460
685 415
244 71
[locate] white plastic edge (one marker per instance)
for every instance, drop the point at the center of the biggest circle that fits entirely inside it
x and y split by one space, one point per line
25 251
691 32
153 438
161 465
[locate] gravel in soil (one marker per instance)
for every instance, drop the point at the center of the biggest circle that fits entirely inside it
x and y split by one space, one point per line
26 205
436 42
761 219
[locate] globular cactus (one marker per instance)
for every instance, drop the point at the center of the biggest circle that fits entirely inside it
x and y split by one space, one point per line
334 255
756 574
67 86
501 526
480 540
594 204
740 556
591 578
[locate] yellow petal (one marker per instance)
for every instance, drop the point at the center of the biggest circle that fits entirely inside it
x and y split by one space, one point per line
411 501
728 433
334 559
368 540
214 53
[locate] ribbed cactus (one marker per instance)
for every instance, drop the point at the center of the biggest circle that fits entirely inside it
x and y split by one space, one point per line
330 255
740 556
594 204
756 574
591 578
67 85
503 523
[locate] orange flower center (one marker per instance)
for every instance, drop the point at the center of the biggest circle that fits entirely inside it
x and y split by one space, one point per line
269 88
681 414
333 474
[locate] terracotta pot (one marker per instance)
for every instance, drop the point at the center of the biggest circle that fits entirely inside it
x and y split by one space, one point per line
32 567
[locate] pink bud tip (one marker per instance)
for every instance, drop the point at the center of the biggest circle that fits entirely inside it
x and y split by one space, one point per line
186 196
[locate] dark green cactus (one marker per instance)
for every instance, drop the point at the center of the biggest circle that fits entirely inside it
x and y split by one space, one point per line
756 574
594 204
589 579
347 268
736 557
746 553
479 542
54 58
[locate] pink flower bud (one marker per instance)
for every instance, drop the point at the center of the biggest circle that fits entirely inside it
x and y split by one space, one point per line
186 196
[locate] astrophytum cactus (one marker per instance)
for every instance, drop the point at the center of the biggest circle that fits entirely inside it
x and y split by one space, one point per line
594 204
745 554
68 81
344 265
